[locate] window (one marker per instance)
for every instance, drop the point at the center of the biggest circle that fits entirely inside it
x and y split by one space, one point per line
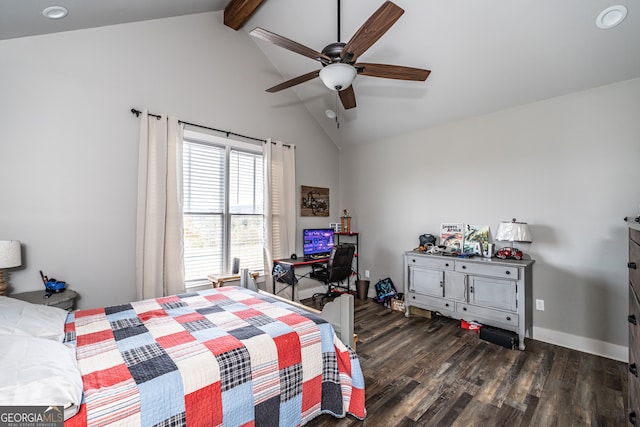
222 206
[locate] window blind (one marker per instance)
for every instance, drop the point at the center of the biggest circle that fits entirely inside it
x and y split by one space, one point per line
222 208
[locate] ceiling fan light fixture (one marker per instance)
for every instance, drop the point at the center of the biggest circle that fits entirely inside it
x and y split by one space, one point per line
338 76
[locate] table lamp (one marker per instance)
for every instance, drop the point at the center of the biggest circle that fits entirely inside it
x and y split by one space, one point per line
513 232
10 256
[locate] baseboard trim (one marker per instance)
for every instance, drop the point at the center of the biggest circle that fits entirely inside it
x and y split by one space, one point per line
587 345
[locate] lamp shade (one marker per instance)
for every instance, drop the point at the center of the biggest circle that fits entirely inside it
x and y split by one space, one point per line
338 76
513 231
10 255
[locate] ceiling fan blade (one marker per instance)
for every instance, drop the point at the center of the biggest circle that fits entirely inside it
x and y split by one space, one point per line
348 97
284 42
295 81
397 72
238 12
377 24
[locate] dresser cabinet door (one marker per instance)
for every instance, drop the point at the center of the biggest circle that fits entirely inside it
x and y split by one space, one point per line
490 292
634 353
455 286
426 282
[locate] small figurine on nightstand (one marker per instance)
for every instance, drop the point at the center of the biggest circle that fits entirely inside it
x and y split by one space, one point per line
52 285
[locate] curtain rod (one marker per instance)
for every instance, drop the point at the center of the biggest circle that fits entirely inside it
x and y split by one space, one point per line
137 114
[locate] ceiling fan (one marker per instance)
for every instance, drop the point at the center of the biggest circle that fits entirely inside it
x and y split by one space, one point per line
339 60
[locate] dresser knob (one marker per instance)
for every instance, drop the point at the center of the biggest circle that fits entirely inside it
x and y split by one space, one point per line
464 308
447 305
632 319
464 267
509 318
632 265
414 297
446 265
507 272
633 368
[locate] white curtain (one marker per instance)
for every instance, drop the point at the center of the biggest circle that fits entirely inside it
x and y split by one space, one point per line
159 241
280 204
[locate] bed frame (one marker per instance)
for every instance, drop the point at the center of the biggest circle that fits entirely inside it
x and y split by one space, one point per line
338 312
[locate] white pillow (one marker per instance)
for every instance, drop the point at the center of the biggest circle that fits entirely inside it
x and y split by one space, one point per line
39 372
22 318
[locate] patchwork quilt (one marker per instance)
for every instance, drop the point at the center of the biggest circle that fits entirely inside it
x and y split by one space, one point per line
225 356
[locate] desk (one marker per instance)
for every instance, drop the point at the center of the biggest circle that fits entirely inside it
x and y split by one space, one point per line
290 278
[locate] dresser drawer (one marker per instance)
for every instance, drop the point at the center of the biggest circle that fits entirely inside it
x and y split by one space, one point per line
430 303
486 315
435 262
502 271
634 258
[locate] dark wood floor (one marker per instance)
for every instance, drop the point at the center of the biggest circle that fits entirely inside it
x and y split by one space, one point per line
429 372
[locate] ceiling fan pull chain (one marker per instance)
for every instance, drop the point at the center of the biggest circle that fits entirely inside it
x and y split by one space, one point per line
337 109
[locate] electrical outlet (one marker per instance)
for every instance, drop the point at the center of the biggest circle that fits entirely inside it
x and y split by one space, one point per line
366 274
540 304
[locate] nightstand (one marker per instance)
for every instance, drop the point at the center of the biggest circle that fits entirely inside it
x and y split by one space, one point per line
64 300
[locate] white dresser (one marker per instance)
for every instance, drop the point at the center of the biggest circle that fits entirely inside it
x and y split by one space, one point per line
489 291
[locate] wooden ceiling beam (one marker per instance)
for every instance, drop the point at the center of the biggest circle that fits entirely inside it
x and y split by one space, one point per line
238 12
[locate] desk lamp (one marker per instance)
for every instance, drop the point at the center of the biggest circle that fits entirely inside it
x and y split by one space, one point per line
10 257
513 232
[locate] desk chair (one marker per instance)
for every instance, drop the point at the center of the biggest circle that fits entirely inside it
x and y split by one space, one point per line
337 270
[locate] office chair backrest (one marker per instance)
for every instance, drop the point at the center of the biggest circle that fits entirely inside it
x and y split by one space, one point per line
339 264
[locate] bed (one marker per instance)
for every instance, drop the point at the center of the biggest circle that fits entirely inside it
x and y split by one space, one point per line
228 356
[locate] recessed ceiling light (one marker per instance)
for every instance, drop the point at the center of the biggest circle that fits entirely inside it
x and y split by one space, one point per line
55 12
611 16
330 114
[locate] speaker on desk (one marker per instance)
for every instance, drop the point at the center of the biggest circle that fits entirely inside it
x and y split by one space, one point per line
236 266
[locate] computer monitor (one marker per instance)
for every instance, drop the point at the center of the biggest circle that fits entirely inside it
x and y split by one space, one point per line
317 242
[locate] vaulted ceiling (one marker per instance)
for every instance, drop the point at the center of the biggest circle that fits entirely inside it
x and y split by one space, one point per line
484 55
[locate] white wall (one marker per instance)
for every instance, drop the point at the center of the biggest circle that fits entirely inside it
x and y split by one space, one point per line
68 150
568 166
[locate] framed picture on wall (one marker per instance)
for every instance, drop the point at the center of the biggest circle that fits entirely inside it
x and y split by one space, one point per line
314 201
